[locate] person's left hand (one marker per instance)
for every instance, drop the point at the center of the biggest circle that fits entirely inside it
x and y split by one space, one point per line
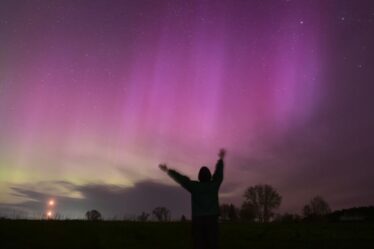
222 153
163 167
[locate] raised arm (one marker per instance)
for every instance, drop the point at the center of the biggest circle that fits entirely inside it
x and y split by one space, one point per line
183 180
218 172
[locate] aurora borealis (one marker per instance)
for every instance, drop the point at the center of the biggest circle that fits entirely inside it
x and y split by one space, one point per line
94 94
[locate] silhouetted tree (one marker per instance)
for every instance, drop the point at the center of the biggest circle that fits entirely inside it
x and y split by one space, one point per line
287 218
233 213
161 213
353 214
143 217
317 207
93 215
183 218
57 216
224 211
247 212
228 212
263 199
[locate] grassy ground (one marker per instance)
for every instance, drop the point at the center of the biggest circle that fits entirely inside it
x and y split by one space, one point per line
113 234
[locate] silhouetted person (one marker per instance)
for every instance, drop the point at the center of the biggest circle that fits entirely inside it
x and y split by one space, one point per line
205 205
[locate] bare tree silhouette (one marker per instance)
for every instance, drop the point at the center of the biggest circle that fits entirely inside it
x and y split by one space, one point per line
228 212
263 199
93 215
317 207
161 213
183 218
143 217
247 212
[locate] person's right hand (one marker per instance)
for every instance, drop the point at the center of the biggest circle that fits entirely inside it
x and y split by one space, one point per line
163 167
222 153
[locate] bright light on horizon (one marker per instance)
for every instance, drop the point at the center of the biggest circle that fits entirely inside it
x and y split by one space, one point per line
51 202
49 214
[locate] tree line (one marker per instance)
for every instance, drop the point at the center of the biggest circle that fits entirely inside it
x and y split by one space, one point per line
260 204
161 214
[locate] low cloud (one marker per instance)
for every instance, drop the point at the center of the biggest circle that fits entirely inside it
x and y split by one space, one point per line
110 200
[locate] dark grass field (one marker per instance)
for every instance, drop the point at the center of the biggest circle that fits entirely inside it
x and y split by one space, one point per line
116 234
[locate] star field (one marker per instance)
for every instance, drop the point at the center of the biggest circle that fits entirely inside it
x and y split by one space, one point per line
100 92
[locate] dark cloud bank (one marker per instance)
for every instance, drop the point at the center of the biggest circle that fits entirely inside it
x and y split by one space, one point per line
111 200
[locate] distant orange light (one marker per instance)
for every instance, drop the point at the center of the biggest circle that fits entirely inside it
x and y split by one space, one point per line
51 202
49 214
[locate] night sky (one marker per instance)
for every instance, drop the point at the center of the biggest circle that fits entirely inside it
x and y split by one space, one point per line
95 94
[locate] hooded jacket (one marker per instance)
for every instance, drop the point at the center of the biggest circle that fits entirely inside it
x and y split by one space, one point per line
204 195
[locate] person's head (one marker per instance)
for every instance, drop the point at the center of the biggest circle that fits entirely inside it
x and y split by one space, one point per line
204 174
